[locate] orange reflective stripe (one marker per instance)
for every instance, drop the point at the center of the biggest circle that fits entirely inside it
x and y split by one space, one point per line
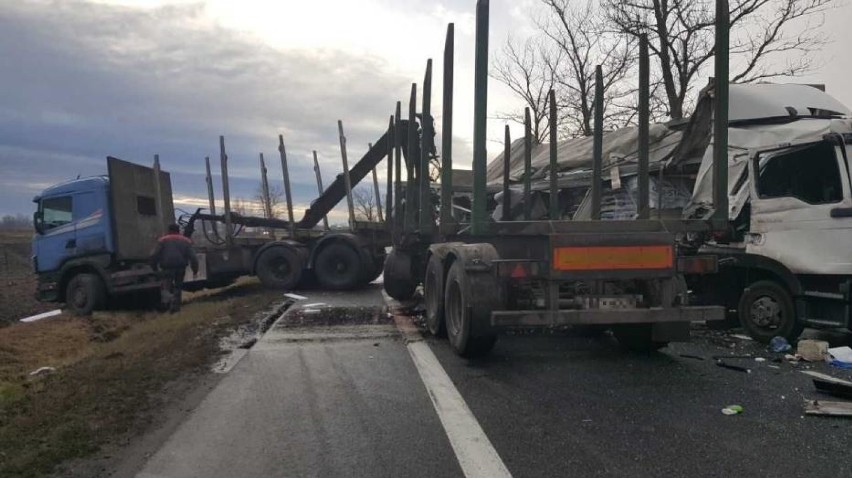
612 257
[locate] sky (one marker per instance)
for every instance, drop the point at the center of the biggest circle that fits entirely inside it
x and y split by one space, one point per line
84 79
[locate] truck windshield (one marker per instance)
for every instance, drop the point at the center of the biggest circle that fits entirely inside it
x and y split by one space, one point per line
56 211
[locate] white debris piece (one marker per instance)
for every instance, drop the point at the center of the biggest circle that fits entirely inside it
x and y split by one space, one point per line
42 371
295 296
44 315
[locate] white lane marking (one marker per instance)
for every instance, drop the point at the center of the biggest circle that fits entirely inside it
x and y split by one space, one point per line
474 451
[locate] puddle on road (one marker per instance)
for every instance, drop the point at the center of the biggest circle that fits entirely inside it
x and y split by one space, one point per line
234 345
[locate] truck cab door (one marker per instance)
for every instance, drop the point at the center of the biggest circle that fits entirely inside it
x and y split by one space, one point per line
800 197
57 239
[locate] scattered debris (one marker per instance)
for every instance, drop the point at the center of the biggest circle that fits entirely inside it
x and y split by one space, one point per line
721 357
728 366
44 315
831 385
759 359
841 357
295 296
741 337
812 350
773 366
732 410
822 407
779 344
42 371
311 311
315 304
791 358
696 357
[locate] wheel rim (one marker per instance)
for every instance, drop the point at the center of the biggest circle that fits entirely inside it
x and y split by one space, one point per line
280 267
766 312
78 297
453 308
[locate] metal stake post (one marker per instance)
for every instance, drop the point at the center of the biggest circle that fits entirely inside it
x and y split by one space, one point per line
286 172
554 168
210 199
447 130
389 191
264 185
319 186
720 115
426 142
346 180
410 161
376 190
598 146
527 165
507 195
226 194
478 224
644 119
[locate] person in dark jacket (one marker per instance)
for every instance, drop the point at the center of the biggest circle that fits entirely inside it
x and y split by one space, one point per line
171 255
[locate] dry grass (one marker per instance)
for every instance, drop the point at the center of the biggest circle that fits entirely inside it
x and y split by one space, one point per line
17 280
107 369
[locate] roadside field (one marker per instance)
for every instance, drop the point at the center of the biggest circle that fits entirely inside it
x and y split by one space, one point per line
17 281
108 370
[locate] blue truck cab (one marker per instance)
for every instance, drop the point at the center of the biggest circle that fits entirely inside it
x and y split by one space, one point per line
94 235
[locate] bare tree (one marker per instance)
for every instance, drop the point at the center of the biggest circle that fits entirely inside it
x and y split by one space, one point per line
365 204
528 70
582 41
276 200
681 37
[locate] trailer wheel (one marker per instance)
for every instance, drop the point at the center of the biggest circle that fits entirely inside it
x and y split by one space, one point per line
279 268
433 290
373 267
84 294
338 266
469 298
399 281
637 337
766 310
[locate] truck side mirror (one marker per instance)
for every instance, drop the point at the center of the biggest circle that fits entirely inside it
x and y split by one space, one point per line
37 222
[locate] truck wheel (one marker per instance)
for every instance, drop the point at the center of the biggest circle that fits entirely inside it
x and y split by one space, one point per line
766 310
399 281
338 266
637 337
84 294
433 290
468 313
279 268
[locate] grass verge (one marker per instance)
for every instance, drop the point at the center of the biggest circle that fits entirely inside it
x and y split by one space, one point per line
108 369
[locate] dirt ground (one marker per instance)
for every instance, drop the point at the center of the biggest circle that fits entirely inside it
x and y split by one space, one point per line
110 370
17 281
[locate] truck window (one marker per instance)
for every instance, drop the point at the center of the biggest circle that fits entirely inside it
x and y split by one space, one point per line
810 174
56 211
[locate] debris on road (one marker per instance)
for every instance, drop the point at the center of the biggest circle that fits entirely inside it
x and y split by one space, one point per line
779 344
696 357
42 371
44 315
728 366
841 357
732 410
741 337
295 296
831 385
822 407
315 304
759 359
812 350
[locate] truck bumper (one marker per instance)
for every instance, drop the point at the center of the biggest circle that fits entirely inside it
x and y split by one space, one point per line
546 318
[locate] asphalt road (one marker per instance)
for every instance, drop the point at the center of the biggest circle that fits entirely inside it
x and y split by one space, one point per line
331 390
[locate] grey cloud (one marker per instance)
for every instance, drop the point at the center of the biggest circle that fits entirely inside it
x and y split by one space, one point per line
86 80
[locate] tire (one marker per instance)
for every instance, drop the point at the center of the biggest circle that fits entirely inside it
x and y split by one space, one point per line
766 310
433 289
338 266
84 294
399 280
373 267
467 315
279 268
637 337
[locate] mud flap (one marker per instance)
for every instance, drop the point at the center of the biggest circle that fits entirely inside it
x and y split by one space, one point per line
670 332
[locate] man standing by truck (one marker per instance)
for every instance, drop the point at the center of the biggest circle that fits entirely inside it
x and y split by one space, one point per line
171 255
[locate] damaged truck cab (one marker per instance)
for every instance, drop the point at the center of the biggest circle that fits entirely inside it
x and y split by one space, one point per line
786 260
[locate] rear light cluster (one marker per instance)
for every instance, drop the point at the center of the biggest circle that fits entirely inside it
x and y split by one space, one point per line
698 264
